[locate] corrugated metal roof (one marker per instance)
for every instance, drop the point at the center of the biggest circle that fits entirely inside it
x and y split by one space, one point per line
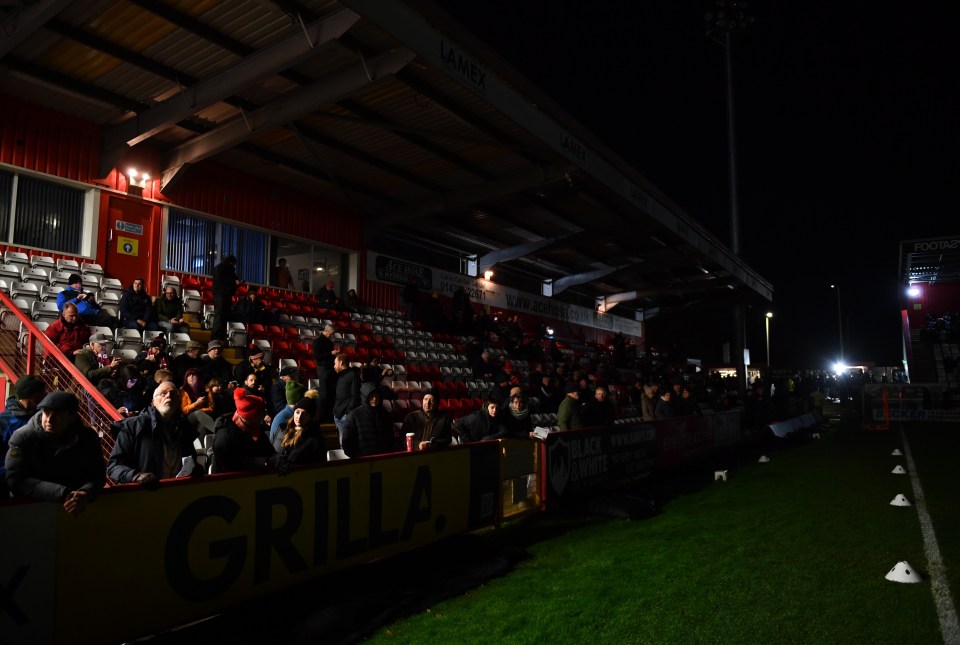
418 151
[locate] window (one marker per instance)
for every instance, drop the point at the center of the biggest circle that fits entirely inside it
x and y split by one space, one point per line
195 244
45 215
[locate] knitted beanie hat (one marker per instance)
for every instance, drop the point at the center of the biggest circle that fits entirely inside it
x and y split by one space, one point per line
294 392
248 406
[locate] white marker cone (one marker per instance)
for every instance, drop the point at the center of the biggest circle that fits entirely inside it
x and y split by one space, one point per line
899 471
903 572
900 500
764 459
896 453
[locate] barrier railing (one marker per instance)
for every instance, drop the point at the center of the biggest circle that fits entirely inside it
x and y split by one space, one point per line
24 349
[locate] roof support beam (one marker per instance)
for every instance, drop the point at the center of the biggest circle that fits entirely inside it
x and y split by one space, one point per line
606 303
21 25
284 109
254 68
564 283
511 253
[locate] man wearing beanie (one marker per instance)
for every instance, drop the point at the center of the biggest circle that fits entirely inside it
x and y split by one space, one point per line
431 427
240 444
20 406
87 307
293 392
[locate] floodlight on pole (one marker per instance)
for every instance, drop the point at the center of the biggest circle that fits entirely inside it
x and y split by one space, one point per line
839 318
769 315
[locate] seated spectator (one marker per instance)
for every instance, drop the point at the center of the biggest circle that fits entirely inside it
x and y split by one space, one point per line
293 393
17 411
129 394
136 308
156 444
168 311
485 370
599 411
240 444
664 409
368 429
648 404
327 297
431 427
301 441
153 358
87 307
214 365
151 384
221 399
515 420
548 394
250 309
188 360
351 301
56 457
568 414
278 393
194 403
94 362
263 372
481 424
687 406
373 372
68 332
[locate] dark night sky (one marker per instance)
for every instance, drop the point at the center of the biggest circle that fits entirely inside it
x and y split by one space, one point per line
846 137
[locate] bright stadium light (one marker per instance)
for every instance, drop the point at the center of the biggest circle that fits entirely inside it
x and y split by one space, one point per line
839 368
913 292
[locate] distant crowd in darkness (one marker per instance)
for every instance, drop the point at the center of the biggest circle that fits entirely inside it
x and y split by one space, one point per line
262 419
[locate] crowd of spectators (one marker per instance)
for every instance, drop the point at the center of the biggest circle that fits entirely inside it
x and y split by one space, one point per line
259 418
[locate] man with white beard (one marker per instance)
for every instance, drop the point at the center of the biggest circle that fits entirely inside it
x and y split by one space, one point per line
156 444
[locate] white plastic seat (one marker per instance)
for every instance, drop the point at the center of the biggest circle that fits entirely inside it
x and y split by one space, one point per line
127 338
125 354
16 258
192 301
59 278
44 311
43 262
50 293
91 268
10 272
70 266
26 291
336 454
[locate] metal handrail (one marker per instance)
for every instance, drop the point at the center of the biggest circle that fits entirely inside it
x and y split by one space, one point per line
37 355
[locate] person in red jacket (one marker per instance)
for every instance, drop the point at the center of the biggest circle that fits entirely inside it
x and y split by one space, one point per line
69 333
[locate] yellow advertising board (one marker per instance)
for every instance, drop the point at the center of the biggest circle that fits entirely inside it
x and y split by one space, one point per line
194 548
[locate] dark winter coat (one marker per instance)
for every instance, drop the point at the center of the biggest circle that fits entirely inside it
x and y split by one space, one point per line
49 467
368 430
139 446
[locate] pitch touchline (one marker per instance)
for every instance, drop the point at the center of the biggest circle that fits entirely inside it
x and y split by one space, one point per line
949 626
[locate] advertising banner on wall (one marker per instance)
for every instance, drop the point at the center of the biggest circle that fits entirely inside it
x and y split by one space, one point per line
196 547
584 460
383 268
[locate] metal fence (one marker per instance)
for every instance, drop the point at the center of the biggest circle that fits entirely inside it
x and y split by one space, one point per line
24 349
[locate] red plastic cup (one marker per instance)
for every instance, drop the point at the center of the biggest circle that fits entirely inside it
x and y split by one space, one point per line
409 442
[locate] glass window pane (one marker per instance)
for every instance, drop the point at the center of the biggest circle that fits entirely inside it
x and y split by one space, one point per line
6 195
48 216
250 249
191 243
